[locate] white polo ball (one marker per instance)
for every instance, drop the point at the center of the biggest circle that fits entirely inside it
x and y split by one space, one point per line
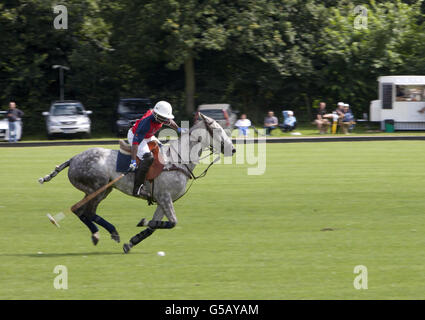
161 253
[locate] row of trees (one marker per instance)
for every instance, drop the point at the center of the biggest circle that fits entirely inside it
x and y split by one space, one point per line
255 54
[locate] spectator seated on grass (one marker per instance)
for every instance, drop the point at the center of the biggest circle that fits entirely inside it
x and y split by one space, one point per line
340 109
270 123
321 119
289 121
348 120
243 125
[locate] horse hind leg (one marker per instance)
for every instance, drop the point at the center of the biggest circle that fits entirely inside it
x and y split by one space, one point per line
87 214
103 222
92 227
108 226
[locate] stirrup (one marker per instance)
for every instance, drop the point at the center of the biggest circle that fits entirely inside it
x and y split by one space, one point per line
142 193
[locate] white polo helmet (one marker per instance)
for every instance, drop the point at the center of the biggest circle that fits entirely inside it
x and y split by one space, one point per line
164 110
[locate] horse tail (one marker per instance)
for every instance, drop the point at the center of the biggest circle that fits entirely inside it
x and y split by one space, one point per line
53 174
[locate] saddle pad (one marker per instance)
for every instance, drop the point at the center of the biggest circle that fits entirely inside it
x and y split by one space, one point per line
123 161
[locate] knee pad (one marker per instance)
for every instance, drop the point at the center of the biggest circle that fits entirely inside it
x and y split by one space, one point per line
148 157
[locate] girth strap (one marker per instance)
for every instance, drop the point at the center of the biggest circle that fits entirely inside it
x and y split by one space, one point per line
175 168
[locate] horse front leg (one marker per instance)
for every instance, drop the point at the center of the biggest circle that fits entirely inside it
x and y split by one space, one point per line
157 216
166 203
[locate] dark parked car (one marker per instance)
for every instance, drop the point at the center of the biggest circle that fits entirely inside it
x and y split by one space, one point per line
128 111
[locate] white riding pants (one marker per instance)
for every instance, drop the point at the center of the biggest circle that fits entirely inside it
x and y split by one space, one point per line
143 146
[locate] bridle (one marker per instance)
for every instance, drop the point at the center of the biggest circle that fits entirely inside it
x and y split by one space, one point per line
189 172
204 173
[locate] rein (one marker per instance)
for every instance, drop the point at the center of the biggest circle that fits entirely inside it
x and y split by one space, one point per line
191 175
204 173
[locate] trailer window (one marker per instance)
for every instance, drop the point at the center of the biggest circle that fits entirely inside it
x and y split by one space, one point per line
410 93
387 95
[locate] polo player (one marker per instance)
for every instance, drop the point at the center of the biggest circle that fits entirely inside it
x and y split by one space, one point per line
141 134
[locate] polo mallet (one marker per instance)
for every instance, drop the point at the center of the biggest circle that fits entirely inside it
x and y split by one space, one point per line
54 219
257 132
91 196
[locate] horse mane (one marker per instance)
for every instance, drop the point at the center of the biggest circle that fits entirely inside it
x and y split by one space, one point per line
196 125
213 124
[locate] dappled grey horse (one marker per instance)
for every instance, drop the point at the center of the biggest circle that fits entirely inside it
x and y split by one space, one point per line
96 167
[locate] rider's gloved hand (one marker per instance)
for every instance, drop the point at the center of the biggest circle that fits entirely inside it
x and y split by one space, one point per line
182 130
133 165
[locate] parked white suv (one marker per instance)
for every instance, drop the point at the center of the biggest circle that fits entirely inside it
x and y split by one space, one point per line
67 117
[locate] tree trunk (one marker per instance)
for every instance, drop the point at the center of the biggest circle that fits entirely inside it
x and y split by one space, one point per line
189 71
308 105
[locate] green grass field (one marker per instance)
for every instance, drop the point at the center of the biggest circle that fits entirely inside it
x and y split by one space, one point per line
238 236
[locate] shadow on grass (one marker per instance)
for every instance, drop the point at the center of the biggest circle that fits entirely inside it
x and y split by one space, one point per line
69 254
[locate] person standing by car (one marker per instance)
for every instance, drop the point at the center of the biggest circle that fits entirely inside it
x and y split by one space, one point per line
13 115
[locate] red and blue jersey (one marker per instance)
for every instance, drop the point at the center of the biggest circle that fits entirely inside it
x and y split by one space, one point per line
145 127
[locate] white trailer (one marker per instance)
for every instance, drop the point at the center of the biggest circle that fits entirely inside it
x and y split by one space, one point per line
400 99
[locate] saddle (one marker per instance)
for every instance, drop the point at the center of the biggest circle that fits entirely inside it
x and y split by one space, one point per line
158 163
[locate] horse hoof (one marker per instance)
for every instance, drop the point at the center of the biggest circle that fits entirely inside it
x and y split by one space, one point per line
126 247
95 239
115 236
142 223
